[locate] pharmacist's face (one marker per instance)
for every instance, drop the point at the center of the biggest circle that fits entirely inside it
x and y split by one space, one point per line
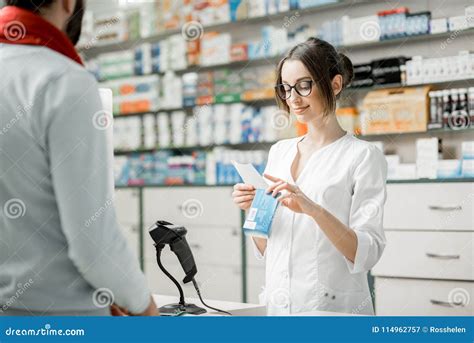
305 108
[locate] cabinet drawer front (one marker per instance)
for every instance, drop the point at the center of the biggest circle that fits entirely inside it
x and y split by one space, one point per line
433 206
432 255
132 235
196 206
127 206
215 282
219 246
405 297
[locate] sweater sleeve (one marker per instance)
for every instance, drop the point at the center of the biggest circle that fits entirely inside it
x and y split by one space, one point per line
80 152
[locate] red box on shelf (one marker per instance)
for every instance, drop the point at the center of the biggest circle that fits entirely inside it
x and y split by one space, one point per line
239 52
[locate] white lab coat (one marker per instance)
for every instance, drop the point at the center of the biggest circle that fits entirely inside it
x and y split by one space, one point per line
304 270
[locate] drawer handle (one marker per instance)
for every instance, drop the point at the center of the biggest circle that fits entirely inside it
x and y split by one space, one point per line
445 208
447 304
443 257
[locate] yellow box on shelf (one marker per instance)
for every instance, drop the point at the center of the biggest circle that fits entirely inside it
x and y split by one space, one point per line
258 94
395 110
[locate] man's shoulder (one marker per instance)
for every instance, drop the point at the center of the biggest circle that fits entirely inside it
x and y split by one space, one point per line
44 63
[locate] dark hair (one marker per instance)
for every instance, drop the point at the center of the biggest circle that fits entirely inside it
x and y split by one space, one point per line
323 63
30 5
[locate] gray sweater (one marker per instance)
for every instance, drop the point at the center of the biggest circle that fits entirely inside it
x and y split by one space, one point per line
61 249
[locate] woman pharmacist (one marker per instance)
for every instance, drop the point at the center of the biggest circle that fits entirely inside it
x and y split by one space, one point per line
327 232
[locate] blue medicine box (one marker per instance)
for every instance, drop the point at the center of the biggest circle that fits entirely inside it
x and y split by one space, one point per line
260 216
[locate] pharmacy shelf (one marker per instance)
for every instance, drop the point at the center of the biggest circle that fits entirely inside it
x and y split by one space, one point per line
451 180
270 60
203 68
462 83
450 83
241 146
273 60
268 19
414 133
411 181
266 145
172 186
409 39
256 102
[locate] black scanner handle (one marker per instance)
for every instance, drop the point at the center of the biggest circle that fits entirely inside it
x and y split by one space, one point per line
185 256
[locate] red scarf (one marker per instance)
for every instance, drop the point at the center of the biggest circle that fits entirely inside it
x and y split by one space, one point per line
19 26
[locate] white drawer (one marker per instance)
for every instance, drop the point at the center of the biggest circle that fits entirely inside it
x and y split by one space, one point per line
219 246
196 206
255 283
127 206
430 206
215 282
405 297
432 255
252 260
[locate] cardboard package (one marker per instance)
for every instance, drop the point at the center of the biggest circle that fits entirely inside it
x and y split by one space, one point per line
395 110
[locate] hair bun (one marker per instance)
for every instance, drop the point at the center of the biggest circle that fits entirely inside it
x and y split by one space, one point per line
348 69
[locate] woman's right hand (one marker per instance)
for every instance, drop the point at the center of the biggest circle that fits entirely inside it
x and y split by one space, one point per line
243 195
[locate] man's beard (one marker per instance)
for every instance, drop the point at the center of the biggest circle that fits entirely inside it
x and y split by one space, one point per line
74 24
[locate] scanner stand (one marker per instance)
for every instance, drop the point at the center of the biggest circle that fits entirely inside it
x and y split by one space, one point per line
180 308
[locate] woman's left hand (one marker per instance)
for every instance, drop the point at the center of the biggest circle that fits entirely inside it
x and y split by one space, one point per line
294 198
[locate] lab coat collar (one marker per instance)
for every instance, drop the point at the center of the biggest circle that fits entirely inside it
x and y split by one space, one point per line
20 26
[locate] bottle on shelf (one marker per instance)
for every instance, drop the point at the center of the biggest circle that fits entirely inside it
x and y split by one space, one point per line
446 107
453 117
471 105
463 107
403 74
439 109
436 105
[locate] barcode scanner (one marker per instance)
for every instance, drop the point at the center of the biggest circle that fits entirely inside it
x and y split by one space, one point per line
163 233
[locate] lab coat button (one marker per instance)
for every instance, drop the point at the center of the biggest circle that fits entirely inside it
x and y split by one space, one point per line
333 297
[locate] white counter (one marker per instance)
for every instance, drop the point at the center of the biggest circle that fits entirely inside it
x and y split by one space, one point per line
236 309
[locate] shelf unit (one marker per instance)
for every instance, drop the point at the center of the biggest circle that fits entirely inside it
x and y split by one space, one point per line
344 48
268 19
256 102
270 101
263 145
95 50
451 180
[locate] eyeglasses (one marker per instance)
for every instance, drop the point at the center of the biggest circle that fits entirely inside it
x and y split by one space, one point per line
303 88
